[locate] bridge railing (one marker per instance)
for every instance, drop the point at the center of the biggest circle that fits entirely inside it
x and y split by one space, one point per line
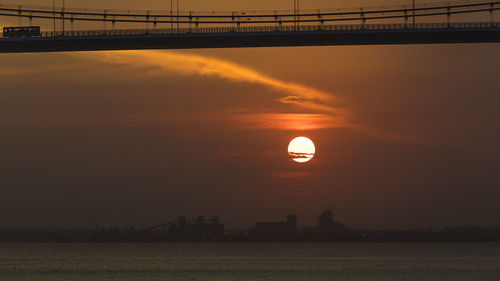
271 29
268 29
298 17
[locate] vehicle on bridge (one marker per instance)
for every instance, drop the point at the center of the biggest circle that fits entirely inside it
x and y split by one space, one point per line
21 31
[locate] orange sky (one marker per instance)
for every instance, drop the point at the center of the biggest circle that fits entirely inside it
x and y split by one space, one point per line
405 135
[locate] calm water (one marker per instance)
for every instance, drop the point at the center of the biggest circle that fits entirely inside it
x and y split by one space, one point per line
250 262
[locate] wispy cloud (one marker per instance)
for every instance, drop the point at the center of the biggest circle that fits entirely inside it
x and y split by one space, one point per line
326 110
7 71
188 64
281 121
35 68
292 175
300 155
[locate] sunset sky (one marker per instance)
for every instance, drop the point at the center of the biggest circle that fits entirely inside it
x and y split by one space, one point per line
406 136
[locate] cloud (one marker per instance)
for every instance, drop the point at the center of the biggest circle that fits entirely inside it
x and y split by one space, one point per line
7 71
289 121
300 155
327 110
35 66
292 175
188 64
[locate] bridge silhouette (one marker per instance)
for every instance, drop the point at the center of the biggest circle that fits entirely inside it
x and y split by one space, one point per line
169 30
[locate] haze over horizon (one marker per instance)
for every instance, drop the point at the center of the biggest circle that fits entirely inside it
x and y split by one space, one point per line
405 135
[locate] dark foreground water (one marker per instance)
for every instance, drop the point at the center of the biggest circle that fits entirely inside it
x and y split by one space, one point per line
234 262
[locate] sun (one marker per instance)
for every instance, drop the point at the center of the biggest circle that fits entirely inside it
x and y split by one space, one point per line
301 149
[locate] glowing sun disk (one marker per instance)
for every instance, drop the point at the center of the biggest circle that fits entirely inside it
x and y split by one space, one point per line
301 149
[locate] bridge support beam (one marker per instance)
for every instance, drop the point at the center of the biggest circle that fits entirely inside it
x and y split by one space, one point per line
257 39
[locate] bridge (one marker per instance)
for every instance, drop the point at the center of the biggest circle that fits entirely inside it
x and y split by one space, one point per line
422 24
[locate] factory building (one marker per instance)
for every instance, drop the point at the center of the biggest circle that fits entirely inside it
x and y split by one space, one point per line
198 229
276 231
327 229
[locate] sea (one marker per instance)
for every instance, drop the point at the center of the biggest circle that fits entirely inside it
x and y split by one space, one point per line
251 261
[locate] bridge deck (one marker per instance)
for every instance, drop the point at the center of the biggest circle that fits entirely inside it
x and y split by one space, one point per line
263 36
